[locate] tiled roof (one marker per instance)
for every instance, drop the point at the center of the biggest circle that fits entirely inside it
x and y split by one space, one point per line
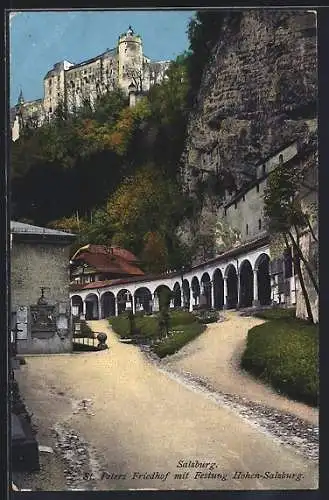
110 264
22 228
104 250
114 260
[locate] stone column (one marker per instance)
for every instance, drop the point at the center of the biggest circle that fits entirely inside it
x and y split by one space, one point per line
210 294
213 295
225 293
255 302
84 308
133 303
100 311
155 303
116 306
238 289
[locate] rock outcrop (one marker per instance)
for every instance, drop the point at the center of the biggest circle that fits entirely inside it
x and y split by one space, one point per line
257 94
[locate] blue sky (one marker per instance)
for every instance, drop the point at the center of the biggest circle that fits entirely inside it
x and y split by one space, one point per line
37 40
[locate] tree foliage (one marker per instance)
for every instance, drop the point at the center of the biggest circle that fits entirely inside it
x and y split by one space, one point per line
288 216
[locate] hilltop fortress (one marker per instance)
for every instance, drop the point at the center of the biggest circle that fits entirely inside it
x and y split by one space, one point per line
69 84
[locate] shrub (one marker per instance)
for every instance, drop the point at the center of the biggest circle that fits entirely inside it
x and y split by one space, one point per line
181 318
85 330
207 316
284 352
176 341
121 325
277 313
147 325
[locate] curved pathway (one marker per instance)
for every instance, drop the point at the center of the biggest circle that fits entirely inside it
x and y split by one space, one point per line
142 430
215 357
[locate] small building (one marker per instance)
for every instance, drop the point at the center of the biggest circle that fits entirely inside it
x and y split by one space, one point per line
93 263
40 302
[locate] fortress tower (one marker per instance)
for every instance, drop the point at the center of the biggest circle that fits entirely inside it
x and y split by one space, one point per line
131 61
71 84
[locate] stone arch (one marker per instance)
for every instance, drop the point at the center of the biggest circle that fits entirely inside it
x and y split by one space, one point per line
92 306
108 304
164 295
218 284
205 298
195 290
123 296
143 299
262 268
177 295
232 287
186 294
246 284
76 305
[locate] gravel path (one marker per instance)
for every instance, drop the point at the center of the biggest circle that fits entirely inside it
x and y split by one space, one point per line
214 357
117 421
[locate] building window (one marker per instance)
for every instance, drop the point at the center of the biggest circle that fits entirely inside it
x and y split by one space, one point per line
247 228
264 169
243 198
225 211
280 159
235 204
257 188
50 109
259 224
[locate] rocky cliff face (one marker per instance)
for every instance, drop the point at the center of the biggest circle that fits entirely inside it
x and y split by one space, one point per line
257 94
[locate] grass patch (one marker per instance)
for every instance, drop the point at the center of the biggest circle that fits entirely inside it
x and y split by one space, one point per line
284 352
277 313
177 340
183 327
181 318
148 326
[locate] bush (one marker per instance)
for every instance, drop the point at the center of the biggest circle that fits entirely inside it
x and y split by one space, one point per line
284 352
277 313
181 318
176 341
85 330
207 316
147 325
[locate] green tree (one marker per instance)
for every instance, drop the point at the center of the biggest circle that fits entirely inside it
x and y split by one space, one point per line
286 216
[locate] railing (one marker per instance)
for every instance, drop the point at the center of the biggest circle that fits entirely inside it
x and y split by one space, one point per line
85 341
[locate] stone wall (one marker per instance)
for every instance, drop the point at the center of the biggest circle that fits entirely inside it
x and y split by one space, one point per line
36 265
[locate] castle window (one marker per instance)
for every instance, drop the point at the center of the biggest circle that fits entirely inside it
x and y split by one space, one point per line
235 204
280 159
243 198
259 224
58 94
264 169
257 188
225 211
50 109
247 228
